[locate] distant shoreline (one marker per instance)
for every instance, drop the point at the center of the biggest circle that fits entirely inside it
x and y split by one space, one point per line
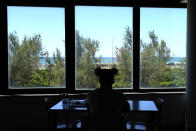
110 60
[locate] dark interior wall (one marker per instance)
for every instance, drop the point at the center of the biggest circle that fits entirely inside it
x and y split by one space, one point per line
23 112
191 70
30 112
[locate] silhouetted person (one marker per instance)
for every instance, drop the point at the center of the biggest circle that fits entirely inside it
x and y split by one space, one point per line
105 99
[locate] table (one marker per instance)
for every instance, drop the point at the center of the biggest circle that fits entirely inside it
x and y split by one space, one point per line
143 111
138 109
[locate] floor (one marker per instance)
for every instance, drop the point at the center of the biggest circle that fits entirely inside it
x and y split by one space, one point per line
77 126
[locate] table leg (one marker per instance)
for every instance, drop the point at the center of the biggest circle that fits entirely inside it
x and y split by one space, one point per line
52 120
152 122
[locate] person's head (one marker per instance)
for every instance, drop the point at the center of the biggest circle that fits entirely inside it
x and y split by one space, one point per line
106 76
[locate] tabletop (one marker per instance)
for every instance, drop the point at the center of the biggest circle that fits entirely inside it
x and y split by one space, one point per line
80 105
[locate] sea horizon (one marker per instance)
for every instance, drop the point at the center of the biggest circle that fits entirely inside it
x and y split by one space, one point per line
110 60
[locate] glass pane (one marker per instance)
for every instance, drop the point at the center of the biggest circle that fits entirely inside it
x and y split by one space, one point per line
36 47
163 48
104 39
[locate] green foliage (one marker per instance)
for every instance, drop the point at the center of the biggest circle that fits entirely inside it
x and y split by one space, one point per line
25 69
124 60
154 58
23 59
86 62
58 70
39 78
179 79
154 69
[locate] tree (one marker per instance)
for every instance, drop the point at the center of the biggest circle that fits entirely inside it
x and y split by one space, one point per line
124 61
49 66
154 58
86 61
58 70
25 68
23 59
79 48
39 78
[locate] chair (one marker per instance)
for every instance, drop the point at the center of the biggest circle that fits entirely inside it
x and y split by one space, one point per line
142 126
102 121
136 126
159 103
62 123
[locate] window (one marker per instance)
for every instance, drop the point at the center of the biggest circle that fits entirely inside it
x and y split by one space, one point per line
54 46
103 38
36 47
163 47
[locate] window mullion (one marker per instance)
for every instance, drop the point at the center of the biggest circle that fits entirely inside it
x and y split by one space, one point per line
136 47
4 47
70 47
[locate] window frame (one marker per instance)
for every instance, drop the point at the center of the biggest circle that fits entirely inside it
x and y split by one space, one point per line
69 6
4 47
167 4
163 5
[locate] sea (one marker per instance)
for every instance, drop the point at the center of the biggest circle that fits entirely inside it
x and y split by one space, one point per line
109 60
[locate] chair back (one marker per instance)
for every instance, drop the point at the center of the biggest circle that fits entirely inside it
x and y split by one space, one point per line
102 121
159 103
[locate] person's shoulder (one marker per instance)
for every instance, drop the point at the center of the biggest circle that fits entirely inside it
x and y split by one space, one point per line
93 92
117 92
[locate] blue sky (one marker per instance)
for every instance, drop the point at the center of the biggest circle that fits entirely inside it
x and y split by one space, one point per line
105 24
48 22
168 24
